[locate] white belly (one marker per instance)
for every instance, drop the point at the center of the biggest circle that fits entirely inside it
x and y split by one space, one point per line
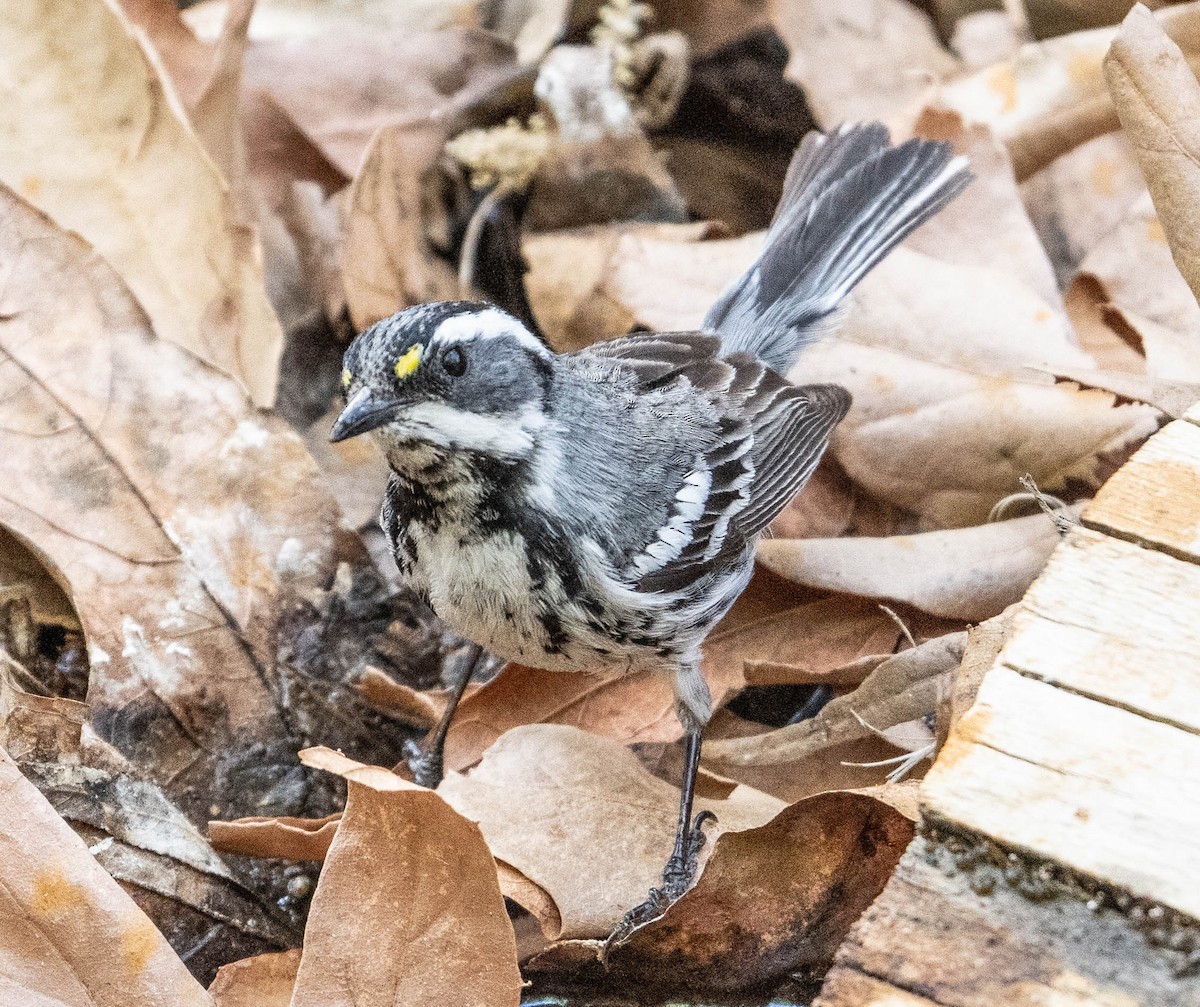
482 591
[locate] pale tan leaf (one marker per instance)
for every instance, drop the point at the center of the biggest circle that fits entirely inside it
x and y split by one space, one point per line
293 20
963 573
56 901
1172 398
1158 101
387 263
906 687
580 817
374 79
577 278
1051 96
96 139
1133 264
877 59
948 439
262 981
179 539
407 912
1077 200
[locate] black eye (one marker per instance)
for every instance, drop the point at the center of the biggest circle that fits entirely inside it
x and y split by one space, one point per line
454 362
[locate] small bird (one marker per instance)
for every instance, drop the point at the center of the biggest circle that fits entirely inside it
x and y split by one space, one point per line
598 510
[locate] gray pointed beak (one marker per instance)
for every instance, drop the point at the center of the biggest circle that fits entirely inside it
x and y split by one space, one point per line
362 413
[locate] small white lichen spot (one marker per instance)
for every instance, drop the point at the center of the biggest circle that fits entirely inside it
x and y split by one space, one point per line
247 436
293 560
135 638
181 649
174 619
98 655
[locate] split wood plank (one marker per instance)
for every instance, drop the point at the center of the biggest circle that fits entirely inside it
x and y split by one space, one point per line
1101 790
931 939
1082 750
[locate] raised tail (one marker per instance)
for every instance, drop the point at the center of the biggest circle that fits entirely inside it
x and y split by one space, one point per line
849 198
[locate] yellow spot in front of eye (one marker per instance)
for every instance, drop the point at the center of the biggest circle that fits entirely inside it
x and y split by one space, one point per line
347 377
408 361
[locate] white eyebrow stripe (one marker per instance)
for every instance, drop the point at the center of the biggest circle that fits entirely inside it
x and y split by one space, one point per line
487 324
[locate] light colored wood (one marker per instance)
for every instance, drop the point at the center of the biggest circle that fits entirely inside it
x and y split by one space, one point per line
1101 790
847 988
1080 758
933 939
1155 498
1116 622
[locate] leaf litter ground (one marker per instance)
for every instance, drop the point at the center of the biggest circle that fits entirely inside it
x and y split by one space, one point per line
197 212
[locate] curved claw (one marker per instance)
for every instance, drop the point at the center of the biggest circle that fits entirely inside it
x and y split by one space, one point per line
677 878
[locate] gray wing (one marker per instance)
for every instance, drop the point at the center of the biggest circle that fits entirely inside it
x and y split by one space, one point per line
768 440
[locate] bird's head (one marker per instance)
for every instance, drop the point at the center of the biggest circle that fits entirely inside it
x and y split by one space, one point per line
456 374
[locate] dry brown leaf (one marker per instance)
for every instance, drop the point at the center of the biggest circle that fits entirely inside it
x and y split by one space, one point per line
981 38
143 841
371 80
905 687
1051 96
1171 398
262 981
984 643
944 419
640 708
949 439
71 935
179 539
869 60
987 225
964 573
188 60
301 19
387 263
771 900
407 912
570 281
400 701
281 837
581 817
215 117
1079 198
96 140
631 708
1158 100
1133 265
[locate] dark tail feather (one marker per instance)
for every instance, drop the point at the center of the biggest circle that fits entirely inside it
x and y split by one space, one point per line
849 199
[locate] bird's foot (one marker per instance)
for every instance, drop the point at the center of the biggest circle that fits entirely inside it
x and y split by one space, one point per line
424 763
677 878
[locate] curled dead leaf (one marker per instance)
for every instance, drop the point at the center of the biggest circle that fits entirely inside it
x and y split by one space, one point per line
179 539
1051 97
407 908
56 899
771 900
282 837
1158 100
905 687
96 140
580 817
963 573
